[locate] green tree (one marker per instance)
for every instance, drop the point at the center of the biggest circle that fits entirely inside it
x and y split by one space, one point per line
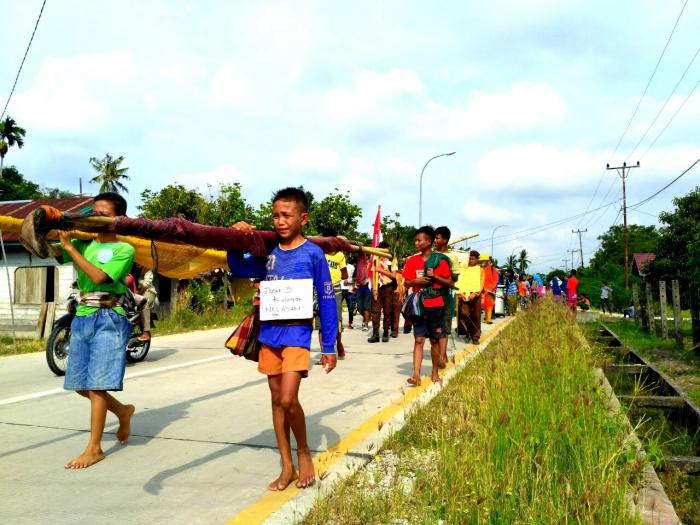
612 248
10 135
523 261
336 213
262 216
109 173
14 187
400 237
678 246
512 261
227 207
56 193
172 201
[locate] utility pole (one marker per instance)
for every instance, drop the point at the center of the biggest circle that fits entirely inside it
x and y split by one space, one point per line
563 262
623 171
572 252
580 244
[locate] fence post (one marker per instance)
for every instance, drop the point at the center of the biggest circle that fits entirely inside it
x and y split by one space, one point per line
695 315
635 301
677 320
662 309
650 309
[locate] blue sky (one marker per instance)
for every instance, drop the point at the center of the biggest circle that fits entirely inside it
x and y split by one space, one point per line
533 96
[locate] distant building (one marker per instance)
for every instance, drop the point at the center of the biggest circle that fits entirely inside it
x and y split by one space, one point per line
33 281
640 262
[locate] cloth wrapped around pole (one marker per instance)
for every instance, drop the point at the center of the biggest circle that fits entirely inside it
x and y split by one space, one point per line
172 238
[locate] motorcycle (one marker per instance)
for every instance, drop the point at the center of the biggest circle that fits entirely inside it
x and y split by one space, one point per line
58 344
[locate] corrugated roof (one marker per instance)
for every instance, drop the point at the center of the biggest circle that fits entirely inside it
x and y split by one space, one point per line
20 209
642 259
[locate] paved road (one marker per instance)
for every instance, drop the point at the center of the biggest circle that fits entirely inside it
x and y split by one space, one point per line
202 447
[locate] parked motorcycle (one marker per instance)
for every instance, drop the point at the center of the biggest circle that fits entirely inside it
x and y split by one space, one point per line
58 343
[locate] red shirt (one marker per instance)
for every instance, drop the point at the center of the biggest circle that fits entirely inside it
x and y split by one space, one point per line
416 263
571 286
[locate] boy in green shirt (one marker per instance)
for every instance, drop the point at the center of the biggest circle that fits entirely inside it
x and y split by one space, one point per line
100 329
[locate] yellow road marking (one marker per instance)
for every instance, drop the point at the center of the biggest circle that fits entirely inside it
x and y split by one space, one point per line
261 509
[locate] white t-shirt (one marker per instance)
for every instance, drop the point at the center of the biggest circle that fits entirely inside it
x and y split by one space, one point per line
348 285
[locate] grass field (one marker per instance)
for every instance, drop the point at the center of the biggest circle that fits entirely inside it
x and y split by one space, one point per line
23 346
521 435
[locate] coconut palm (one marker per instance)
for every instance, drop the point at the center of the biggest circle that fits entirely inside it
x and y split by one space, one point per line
10 135
511 261
523 261
110 173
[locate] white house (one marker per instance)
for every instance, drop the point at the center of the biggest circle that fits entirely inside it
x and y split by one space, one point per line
34 283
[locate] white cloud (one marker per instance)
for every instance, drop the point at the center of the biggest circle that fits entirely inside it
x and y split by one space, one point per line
526 106
477 211
371 93
313 158
73 94
224 174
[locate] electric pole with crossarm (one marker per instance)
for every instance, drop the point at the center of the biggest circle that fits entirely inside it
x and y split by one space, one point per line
580 244
623 171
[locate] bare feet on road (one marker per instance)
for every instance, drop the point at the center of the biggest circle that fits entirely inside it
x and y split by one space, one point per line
283 481
413 381
307 476
86 459
125 425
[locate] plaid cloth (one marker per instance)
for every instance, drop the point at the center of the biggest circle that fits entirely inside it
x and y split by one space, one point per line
244 339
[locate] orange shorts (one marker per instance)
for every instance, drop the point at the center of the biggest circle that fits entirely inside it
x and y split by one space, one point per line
275 361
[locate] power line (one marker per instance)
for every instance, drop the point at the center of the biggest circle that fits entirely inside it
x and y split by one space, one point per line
7 102
673 91
640 203
639 103
535 229
671 119
636 109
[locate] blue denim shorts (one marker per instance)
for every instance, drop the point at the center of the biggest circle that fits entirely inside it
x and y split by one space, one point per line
97 354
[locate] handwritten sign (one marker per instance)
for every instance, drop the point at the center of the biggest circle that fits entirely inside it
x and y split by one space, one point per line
286 299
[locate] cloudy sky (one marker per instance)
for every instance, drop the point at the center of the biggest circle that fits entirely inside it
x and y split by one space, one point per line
533 96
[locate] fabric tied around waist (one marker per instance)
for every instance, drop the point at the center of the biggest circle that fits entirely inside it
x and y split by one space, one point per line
100 299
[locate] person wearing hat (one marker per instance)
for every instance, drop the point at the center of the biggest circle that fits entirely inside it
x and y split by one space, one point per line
491 277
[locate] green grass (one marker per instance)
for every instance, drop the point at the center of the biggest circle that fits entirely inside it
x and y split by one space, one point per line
23 346
185 320
521 435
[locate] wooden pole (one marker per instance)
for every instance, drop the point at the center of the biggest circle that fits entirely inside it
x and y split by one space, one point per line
635 301
662 309
695 315
650 309
677 320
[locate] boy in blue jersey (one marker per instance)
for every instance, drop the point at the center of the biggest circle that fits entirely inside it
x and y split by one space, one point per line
284 354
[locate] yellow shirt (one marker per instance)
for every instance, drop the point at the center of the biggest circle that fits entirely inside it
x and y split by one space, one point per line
470 280
336 263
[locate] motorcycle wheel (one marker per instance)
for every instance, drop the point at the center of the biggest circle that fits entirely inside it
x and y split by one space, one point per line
136 350
57 347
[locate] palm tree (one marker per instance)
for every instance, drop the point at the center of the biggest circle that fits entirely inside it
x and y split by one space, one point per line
523 261
511 261
10 135
110 173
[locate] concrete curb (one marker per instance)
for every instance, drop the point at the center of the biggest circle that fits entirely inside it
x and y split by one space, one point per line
353 460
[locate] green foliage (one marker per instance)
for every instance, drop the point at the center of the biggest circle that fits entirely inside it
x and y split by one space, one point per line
678 248
558 272
226 208
262 216
10 135
109 173
399 237
523 261
172 201
512 261
612 248
13 186
334 213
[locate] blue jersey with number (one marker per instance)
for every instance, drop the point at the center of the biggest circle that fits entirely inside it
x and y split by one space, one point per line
306 261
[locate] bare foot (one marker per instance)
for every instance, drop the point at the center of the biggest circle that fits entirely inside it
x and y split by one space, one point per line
283 481
436 379
413 381
307 475
86 459
125 425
